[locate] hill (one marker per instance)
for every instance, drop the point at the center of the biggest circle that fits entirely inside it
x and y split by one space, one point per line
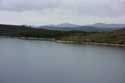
98 27
114 37
103 25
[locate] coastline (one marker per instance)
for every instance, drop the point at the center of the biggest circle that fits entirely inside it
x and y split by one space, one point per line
75 42
66 42
91 43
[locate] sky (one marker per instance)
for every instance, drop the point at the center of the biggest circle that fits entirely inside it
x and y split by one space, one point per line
43 12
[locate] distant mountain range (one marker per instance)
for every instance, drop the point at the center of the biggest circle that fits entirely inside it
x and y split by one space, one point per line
64 25
102 25
98 27
88 28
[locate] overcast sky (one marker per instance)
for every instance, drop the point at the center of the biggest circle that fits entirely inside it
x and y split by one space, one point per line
42 12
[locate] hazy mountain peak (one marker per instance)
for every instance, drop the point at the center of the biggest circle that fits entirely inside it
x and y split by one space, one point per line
104 25
100 24
67 25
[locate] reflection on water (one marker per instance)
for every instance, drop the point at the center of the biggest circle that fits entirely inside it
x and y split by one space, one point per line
29 61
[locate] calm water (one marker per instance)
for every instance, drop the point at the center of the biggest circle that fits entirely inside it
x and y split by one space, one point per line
33 61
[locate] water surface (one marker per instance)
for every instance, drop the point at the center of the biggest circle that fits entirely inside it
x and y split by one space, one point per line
33 61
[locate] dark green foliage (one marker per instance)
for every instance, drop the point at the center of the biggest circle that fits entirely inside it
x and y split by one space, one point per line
115 37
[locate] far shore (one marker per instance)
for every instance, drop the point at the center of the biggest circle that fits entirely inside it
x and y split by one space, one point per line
91 43
67 42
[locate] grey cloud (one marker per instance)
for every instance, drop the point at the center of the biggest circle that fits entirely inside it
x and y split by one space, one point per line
27 5
83 7
113 8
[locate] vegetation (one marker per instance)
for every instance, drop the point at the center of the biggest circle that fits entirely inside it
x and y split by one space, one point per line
114 37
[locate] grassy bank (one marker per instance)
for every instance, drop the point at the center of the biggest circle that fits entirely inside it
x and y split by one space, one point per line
116 38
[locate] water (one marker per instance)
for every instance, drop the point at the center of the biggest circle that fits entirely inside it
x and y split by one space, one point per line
33 61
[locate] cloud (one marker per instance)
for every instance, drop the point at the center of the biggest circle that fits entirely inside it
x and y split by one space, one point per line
83 7
26 5
51 11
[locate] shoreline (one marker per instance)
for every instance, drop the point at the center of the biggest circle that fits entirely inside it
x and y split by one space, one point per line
66 42
91 43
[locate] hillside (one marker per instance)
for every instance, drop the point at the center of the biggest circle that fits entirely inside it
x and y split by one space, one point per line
98 27
114 37
103 25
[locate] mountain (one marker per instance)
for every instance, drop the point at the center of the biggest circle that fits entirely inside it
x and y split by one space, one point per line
63 25
67 25
75 27
81 28
103 25
113 37
98 27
